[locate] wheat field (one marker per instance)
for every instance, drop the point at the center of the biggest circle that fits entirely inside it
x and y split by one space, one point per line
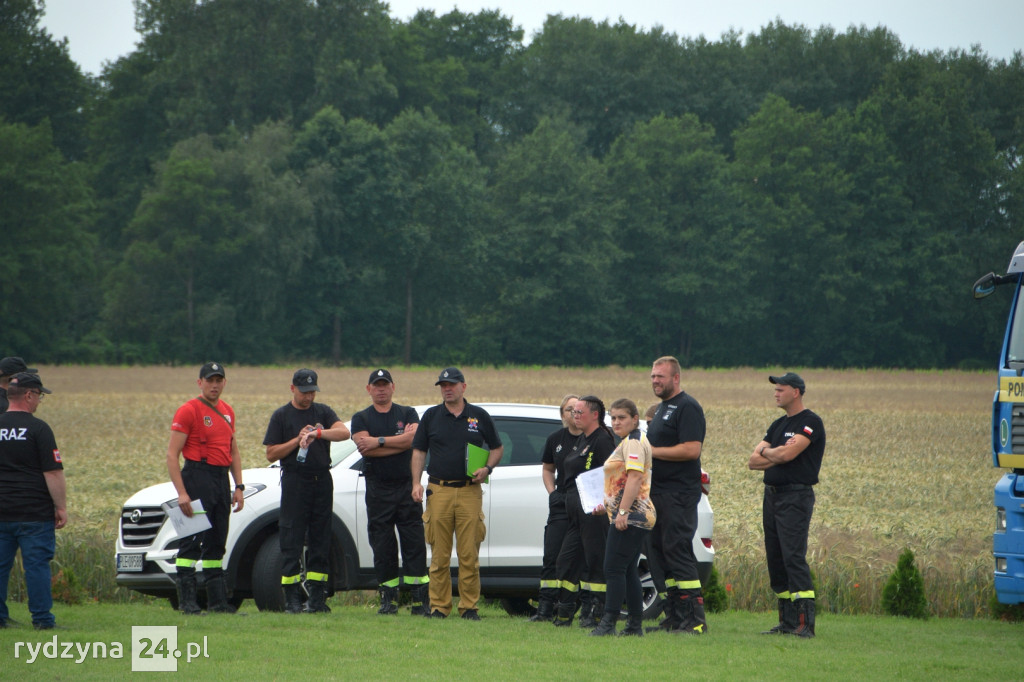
907 465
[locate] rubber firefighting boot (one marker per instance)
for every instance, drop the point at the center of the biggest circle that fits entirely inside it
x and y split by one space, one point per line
607 625
787 619
805 618
420 601
293 598
670 608
388 600
188 600
545 610
564 614
588 619
634 626
217 594
317 597
690 606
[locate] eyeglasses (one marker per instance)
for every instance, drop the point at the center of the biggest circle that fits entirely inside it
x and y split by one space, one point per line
578 413
36 393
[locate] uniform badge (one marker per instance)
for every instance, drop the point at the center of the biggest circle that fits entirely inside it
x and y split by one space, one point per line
474 425
56 456
207 420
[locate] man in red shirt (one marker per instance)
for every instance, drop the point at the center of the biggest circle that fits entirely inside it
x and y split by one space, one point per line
203 432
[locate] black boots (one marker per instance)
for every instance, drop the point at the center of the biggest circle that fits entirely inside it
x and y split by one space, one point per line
293 598
421 600
545 610
787 619
804 618
564 614
188 602
589 611
317 597
634 627
670 608
607 624
388 600
217 594
690 607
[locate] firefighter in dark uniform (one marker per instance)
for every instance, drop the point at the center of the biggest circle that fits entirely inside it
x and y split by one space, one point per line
580 563
299 436
676 435
383 432
454 496
203 432
790 456
8 368
556 449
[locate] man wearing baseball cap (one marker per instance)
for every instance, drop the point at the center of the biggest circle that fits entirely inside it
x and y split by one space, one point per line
203 433
299 436
790 456
383 432
454 496
33 502
8 368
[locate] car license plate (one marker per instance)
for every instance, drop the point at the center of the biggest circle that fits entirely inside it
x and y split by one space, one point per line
130 563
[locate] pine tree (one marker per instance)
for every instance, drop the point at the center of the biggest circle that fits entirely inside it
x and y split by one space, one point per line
903 594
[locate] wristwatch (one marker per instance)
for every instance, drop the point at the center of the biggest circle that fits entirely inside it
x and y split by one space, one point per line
380 441
240 486
623 512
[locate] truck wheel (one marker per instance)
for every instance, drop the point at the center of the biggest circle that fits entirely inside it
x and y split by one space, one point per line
266 576
517 607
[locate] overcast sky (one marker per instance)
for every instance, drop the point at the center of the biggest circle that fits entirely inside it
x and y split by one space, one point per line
103 30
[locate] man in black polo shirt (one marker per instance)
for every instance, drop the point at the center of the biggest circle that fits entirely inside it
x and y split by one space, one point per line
454 498
790 456
676 434
383 432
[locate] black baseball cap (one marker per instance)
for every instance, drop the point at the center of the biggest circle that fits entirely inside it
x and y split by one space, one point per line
380 375
211 369
305 380
452 375
789 379
12 365
28 380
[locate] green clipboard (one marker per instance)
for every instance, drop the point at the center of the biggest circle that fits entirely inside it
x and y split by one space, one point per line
476 457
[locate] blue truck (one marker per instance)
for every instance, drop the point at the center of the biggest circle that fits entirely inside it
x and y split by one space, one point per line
1008 437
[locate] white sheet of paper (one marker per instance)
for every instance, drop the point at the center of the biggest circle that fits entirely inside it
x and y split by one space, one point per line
183 525
590 485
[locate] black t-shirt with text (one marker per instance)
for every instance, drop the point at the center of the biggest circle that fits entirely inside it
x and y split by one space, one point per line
679 419
27 449
391 423
804 467
587 453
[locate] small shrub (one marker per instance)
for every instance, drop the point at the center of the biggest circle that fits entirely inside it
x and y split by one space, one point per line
903 594
716 598
1008 613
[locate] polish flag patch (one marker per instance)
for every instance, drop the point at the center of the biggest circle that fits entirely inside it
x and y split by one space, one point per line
808 430
634 457
56 456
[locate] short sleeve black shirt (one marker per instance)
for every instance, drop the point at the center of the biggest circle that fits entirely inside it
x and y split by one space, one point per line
679 419
27 449
391 423
588 452
804 467
556 449
444 438
286 423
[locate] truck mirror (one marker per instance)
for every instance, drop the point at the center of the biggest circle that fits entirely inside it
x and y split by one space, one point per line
984 286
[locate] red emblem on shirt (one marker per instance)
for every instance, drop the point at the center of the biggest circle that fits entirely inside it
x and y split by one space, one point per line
56 456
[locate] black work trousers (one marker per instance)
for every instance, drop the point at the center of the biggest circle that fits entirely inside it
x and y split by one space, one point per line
390 508
786 517
581 559
554 534
306 503
208 484
670 543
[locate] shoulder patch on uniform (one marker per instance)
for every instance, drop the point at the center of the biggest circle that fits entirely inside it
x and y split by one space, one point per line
56 456
808 430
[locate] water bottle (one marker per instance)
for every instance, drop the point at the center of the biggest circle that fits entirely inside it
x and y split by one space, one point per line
301 457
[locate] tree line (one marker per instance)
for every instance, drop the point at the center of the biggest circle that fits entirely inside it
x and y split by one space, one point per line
272 180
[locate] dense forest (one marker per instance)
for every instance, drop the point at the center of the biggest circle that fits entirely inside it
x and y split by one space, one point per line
268 181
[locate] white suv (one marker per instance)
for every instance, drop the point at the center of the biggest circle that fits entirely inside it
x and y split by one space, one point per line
515 506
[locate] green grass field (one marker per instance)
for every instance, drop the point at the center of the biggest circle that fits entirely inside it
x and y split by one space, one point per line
353 643
907 465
